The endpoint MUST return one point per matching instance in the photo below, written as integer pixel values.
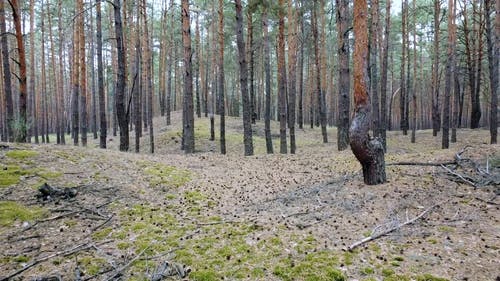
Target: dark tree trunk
(374, 35)
(383, 76)
(493, 44)
(83, 75)
(197, 67)
(436, 114)
(369, 152)
(414, 80)
(247, 106)
(300, 116)
(456, 103)
(149, 81)
(33, 113)
(100, 79)
(7, 77)
(282, 78)
(220, 80)
(317, 63)
(403, 97)
(136, 92)
(344, 74)
(450, 66)
(292, 72)
(188, 112)
(267, 70)
(251, 57)
(120, 103)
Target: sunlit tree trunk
(368, 151)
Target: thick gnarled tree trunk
(369, 151)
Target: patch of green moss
(92, 265)
(21, 154)
(348, 257)
(49, 174)
(11, 211)
(314, 266)
(430, 277)
(397, 277)
(367, 271)
(101, 234)
(387, 272)
(204, 275)
(11, 174)
(395, 263)
(21, 259)
(194, 196)
(168, 176)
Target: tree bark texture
(368, 151)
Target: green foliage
(430, 277)
(314, 267)
(11, 211)
(21, 154)
(168, 176)
(10, 175)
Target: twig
(102, 224)
(67, 252)
(407, 222)
(119, 271)
(458, 175)
(421, 164)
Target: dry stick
(73, 250)
(458, 175)
(119, 271)
(407, 222)
(421, 164)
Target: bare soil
(264, 217)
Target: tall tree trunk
(251, 58)
(344, 73)
(282, 78)
(22, 122)
(374, 43)
(122, 111)
(292, 72)
(7, 76)
(450, 66)
(33, 113)
(493, 43)
(188, 113)
(149, 80)
(136, 88)
(43, 85)
(247, 106)
(93, 83)
(197, 66)
(57, 91)
(456, 103)
(414, 88)
(300, 114)
(369, 152)
(83, 74)
(317, 62)
(402, 100)
(267, 70)
(75, 70)
(220, 79)
(100, 79)
(436, 114)
(383, 75)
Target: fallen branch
(67, 252)
(121, 269)
(439, 164)
(458, 175)
(384, 233)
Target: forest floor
(264, 217)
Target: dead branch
(121, 269)
(458, 175)
(438, 164)
(66, 252)
(384, 233)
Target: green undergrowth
(11, 174)
(213, 248)
(21, 154)
(165, 176)
(11, 211)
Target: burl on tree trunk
(369, 151)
